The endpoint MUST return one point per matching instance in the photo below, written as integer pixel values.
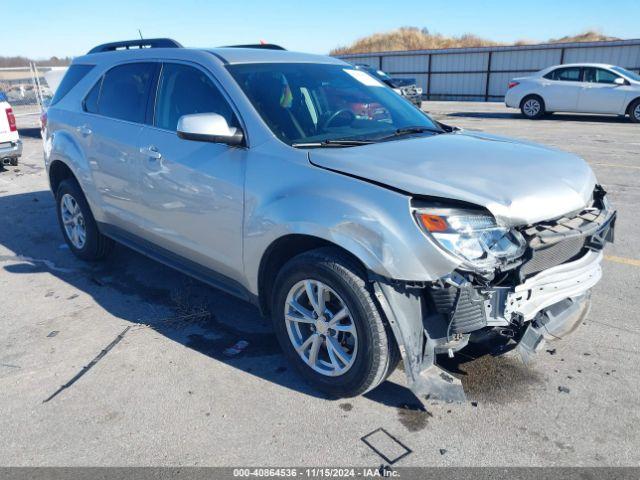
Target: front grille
(556, 254)
(467, 314)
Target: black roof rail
(141, 43)
(264, 46)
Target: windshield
(624, 71)
(304, 103)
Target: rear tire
(634, 111)
(372, 350)
(532, 107)
(80, 231)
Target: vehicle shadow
(30, 132)
(565, 117)
(139, 290)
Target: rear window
(570, 74)
(74, 74)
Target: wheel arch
(283, 249)
(627, 109)
(530, 95)
(59, 171)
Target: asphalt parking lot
(165, 393)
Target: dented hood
(518, 182)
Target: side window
(74, 74)
(605, 76)
(571, 74)
(90, 103)
(125, 91)
(184, 90)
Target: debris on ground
(563, 389)
(443, 451)
(236, 349)
(551, 351)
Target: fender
(373, 223)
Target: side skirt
(177, 262)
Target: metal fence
(25, 88)
(482, 73)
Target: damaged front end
(519, 302)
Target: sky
(40, 29)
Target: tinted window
(571, 74)
(184, 90)
(599, 75)
(74, 74)
(125, 91)
(91, 100)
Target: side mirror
(208, 127)
(620, 81)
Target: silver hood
(520, 183)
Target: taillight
(513, 84)
(11, 118)
(43, 120)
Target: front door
(191, 194)
(600, 94)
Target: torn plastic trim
(554, 323)
(403, 308)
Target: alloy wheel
(73, 221)
(321, 328)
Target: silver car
(578, 87)
(367, 239)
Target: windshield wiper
(332, 143)
(409, 130)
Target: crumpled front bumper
(551, 286)
(556, 301)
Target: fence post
(486, 85)
(429, 77)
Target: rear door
(599, 93)
(117, 107)
(192, 192)
(561, 89)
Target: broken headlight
(473, 237)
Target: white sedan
(584, 88)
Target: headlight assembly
(473, 237)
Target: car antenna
(140, 33)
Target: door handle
(84, 130)
(151, 152)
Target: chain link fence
(26, 88)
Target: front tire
(634, 111)
(78, 226)
(532, 107)
(328, 325)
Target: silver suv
(366, 234)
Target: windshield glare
(629, 74)
(314, 103)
